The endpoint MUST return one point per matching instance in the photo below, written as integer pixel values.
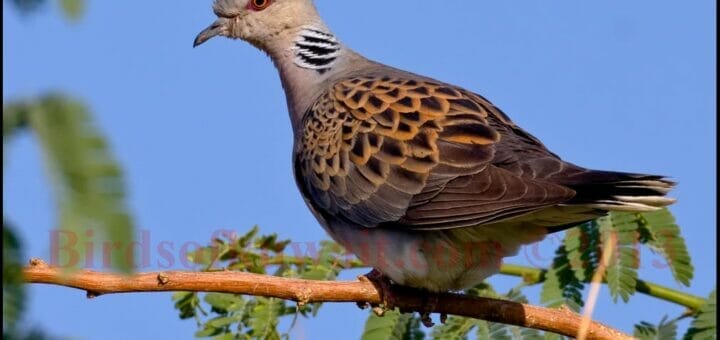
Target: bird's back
(383, 147)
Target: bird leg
(430, 301)
(383, 284)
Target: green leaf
(704, 326)
(186, 303)
(552, 336)
(528, 334)
(492, 331)
(88, 183)
(208, 332)
(318, 272)
(455, 327)
(666, 330)
(222, 321)
(326, 267)
(270, 242)
(561, 286)
(660, 232)
(392, 325)
(13, 289)
(329, 259)
(14, 120)
(73, 9)
(264, 318)
(412, 329)
(226, 336)
(516, 295)
(582, 245)
(245, 240)
(223, 302)
(460, 327)
(621, 273)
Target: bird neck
(307, 58)
(315, 48)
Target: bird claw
(429, 305)
(383, 284)
(426, 319)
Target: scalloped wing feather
(412, 153)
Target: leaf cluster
(578, 258)
(89, 190)
(87, 181)
(232, 316)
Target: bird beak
(217, 28)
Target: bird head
(258, 22)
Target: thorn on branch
(163, 279)
(303, 296)
(39, 263)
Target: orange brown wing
(411, 153)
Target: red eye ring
(258, 5)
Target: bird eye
(259, 5)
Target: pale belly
(440, 260)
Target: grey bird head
(259, 22)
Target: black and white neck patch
(316, 49)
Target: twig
(535, 275)
(595, 283)
(561, 321)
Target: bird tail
(618, 191)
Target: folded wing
(418, 154)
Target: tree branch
(560, 321)
(532, 275)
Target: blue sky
(205, 140)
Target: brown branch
(561, 321)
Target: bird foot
(429, 304)
(384, 286)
